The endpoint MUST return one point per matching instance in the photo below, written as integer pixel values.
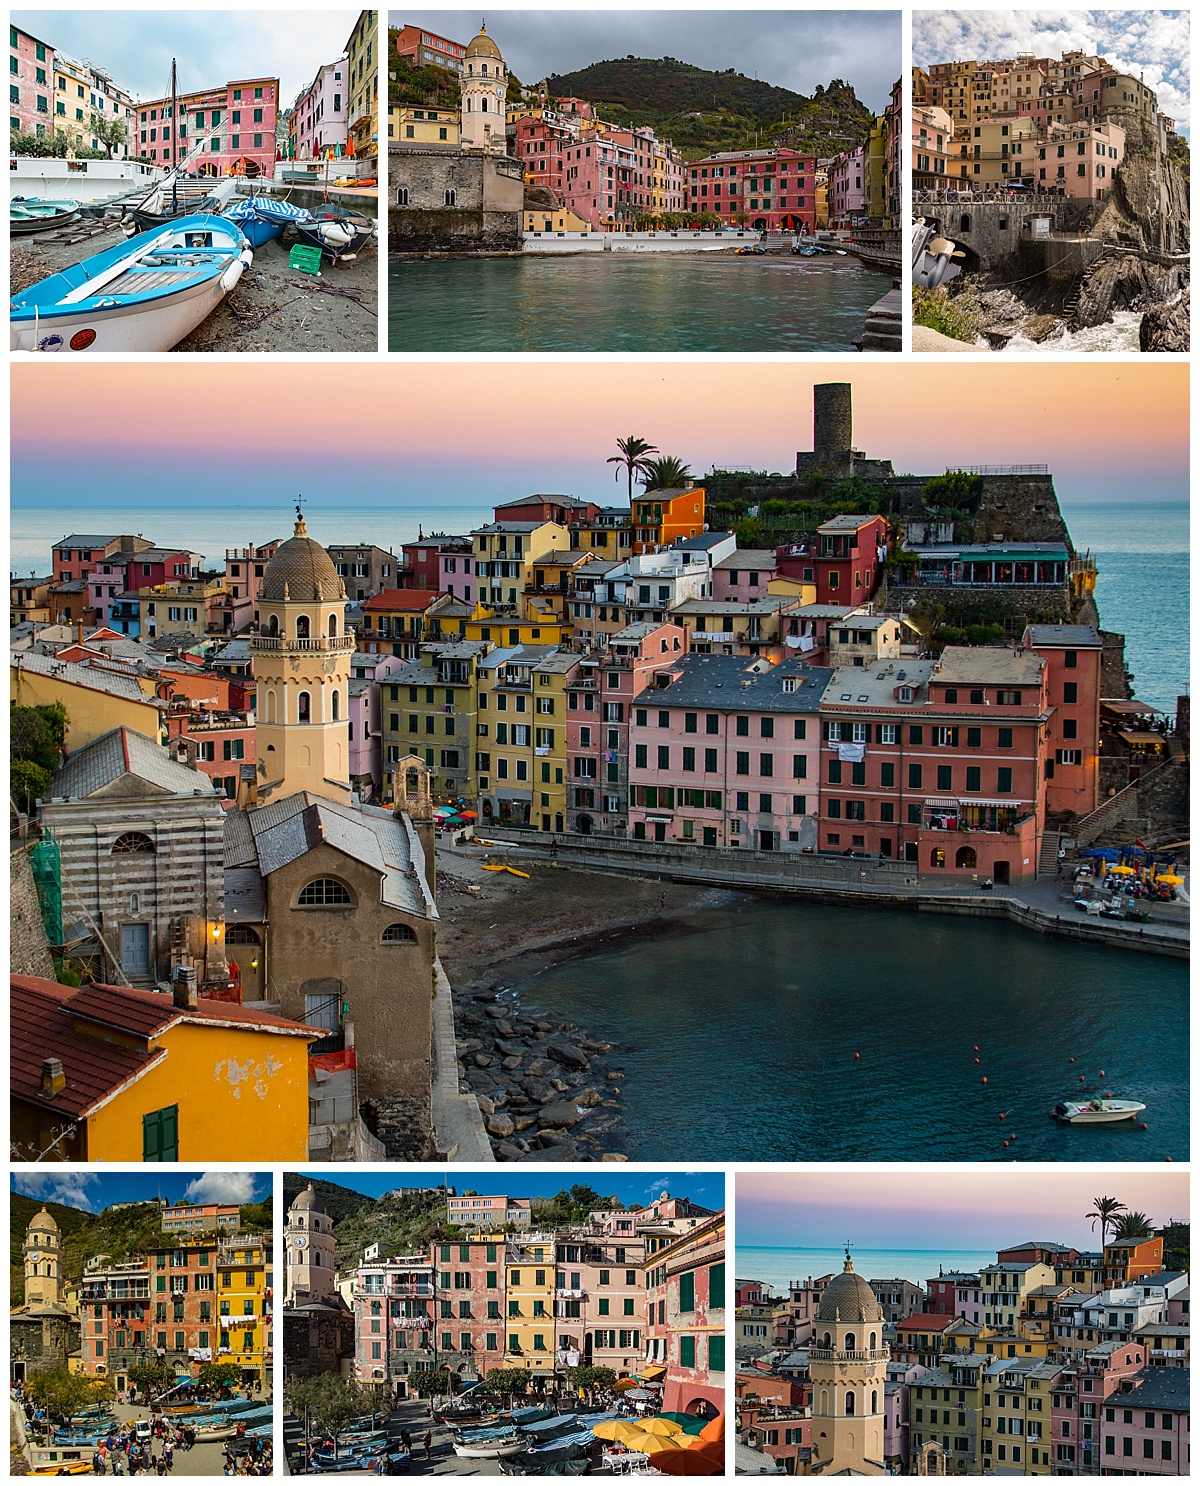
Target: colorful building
(245, 1305)
(230, 128)
(529, 1316)
(426, 49)
(772, 190)
(394, 622)
(662, 517)
(847, 189)
(1147, 1425)
(362, 67)
(319, 117)
(31, 83)
(685, 1317)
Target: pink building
(727, 753)
(470, 1284)
(1147, 1425)
(1080, 160)
(685, 1316)
(427, 49)
(541, 147)
(320, 115)
(847, 188)
(600, 698)
(956, 1295)
(244, 569)
(1073, 654)
(600, 1300)
(743, 576)
(395, 1317)
(609, 178)
(232, 127)
(222, 744)
(441, 564)
(1078, 1403)
(30, 82)
(772, 190)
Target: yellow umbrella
(1122, 871)
(654, 1444)
(618, 1429)
(661, 1426)
(1170, 877)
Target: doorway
(135, 949)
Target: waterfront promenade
(1043, 906)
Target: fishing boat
(1096, 1111)
(262, 218)
(185, 199)
(338, 232)
(500, 1449)
(34, 215)
(143, 295)
(59, 1460)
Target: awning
(992, 804)
(651, 1371)
(940, 804)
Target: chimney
(184, 985)
(54, 1080)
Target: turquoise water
(1142, 589)
(630, 303)
(739, 1040)
(778, 1267)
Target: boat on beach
(500, 1449)
(262, 218)
(143, 295)
(337, 231)
(1096, 1111)
(34, 215)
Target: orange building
(1130, 1259)
(661, 517)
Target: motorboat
(143, 295)
(1097, 1111)
(262, 218)
(35, 215)
(499, 1449)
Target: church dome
(301, 571)
(308, 1201)
(42, 1220)
(848, 1297)
(484, 46)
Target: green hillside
(121, 1235)
(702, 111)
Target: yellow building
(178, 608)
(1005, 1287)
(419, 127)
(509, 630)
(821, 198)
(993, 153)
(96, 701)
(529, 1327)
(875, 173)
(550, 740)
(504, 555)
(1016, 1417)
(244, 1302)
(72, 106)
(29, 601)
(558, 219)
(107, 1073)
(430, 709)
(362, 65)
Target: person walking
(428, 1442)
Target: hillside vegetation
(702, 111)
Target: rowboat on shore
(25, 217)
(262, 218)
(500, 1449)
(337, 231)
(143, 295)
(1097, 1111)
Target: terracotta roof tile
(401, 598)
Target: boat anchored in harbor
(1096, 1111)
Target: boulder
(556, 1115)
(1167, 327)
(501, 1125)
(566, 1152)
(538, 1089)
(497, 1013)
(486, 1106)
(588, 1098)
(568, 1054)
(510, 1049)
(613, 1156)
(542, 1067)
(555, 1137)
(511, 1063)
(482, 1060)
(506, 1151)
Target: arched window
(337, 705)
(271, 706)
(304, 708)
(483, 105)
(302, 627)
(483, 69)
(965, 857)
(826, 1340)
(874, 1401)
(849, 1402)
(874, 1340)
(273, 625)
(325, 892)
(451, 197)
(333, 626)
(132, 841)
(402, 196)
(851, 1342)
(241, 934)
(398, 934)
(964, 223)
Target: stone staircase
(1048, 856)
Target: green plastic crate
(306, 259)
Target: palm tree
(1104, 1211)
(665, 473)
(1133, 1225)
(634, 456)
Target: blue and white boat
(262, 218)
(144, 295)
(34, 215)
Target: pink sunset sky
(902, 1208)
(419, 432)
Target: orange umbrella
(714, 1431)
(708, 1460)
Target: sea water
(778, 1267)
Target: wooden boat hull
(29, 220)
(487, 1450)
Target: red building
(427, 49)
(232, 124)
(222, 745)
(846, 560)
(771, 190)
(469, 1284)
(76, 556)
(30, 82)
(1073, 655)
(941, 764)
(685, 1315)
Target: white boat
(1097, 1111)
(501, 1449)
(142, 295)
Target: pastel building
(846, 190)
(231, 128)
(1147, 1425)
(30, 82)
(469, 1278)
(1078, 1399)
(932, 138)
(726, 754)
(772, 190)
(1080, 160)
(395, 1303)
(685, 1316)
(423, 48)
(318, 120)
(481, 1211)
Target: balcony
(280, 643)
(829, 1354)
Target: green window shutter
(716, 1284)
(160, 1134)
(687, 1292)
(716, 1354)
(687, 1351)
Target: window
(914, 776)
(160, 1134)
(325, 892)
(1004, 781)
(687, 1351)
(398, 934)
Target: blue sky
(94, 1190)
(1153, 43)
(631, 1187)
(794, 49)
(211, 46)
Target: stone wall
(991, 232)
(28, 951)
(42, 1343)
(1114, 678)
(315, 1341)
(977, 604)
(447, 201)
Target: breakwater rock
(1167, 327)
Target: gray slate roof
(1158, 1388)
(122, 752)
(75, 540)
(731, 683)
(746, 558)
(1071, 636)
(115, 683)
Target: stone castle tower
(848, 1366)
(308, 1245)
(302, 656)
(483, 83)
(43, 1261)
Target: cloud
(1153, 44)
(221, 1186)
(68, 1187)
